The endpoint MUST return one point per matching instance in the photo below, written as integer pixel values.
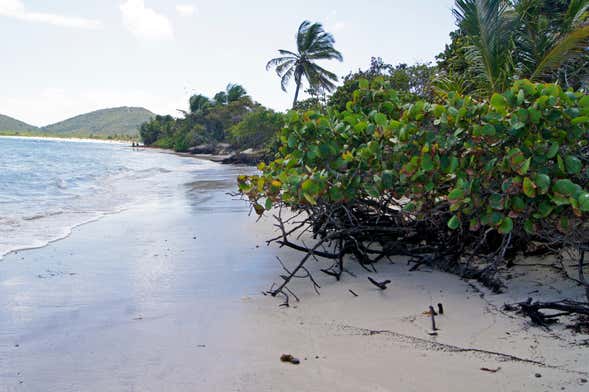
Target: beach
(167, 295)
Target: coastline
(166, 296)
(68, 139)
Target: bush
(465, 176)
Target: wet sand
(166, 296)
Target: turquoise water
(47, 187)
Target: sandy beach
(166, 296)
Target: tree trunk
(296, 97)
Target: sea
(50, 186)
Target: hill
(12, 124)
(123, 121)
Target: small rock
(583, 380)
(289, 358)
(537, 375)
(17, 345)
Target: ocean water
(48, 187)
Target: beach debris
(484, 369)
(290, 359)
(201, 345)
(433, 316)
(440, 308)
(353, 293)
(381, 285)
(583, 380)
(537, 375)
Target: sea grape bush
(515, 164)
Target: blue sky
(65, 57)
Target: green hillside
(12, 124)
(123, 121)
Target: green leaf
(268, 204)
(456, 195)
(573, 164)
(580, 120)
(489, 130)
(380, 119)
(454, 223)
(584, 202)
(498, 102)
(496, 202)
(535, 115)
(553, 150)
(506, 226)
(530, 227)
(525, 166)
(542, 182)
(565, 187)
(427, 163)
(364, 84)
(560, 164)
(529, 188)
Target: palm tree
(198, 103)
(521, 38)
(232, 93)
(313, 43)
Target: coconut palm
(198, 103)
(232, 93)
(521, 38)
(313, 44)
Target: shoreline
(68, 139)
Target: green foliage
(258, 128)
(514, 164)
(500, 41)
(413, 82)
(231, 117)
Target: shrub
(463, 176)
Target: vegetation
(122, 122)
(445, 183)
(230, 117)
(313, 44)
(12, 124)
(499, 41)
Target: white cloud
(16, 9)
(186, 9)
(144, 22)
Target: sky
(62, 58)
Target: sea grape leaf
(529, 188)
(454, 223)
(506, 226)
(573, 164)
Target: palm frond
(575, 42)
(489, 26)
(276, 62)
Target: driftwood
(534, 310)
(368, 231)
